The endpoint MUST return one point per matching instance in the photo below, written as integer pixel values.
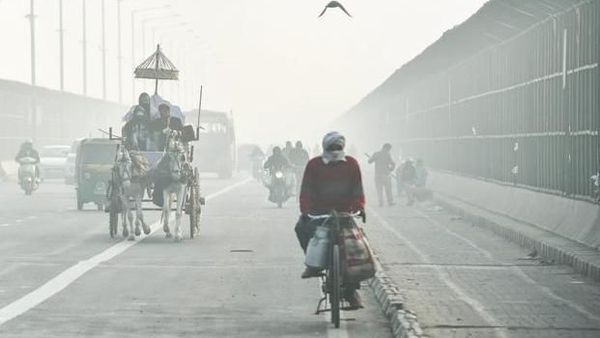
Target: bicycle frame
(332, 280)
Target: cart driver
(161, 125)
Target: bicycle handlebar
(357, 214)
(342, 214)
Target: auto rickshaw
(93, 165)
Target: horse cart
(121, 178)
(162, 176)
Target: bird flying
(334, 4)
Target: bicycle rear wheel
(335, 290)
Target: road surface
(239, 278)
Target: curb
(545, 244)
(404, 322)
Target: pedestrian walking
(384, 166)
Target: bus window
(213, 128)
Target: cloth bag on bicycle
(318, 248)
(358, 260)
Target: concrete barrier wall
(573, 219)
(59, 117)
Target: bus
(215, 150)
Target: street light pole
(84, 48)
(132, 19)
(61, 47)
(31, 18)
(119, 52)
(103, 16)
(149, 20)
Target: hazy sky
(280, 69)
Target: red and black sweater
(334, 186)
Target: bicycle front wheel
(335, 291)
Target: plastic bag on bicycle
(357, 259)
(318, 248)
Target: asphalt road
(62, 276)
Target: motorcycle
(279, 188)
(27, 177)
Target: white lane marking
(19, 221)
(445, 278)
(31, 217)
(519, 271)
(65, 278)
(4, 225)
(332, 332)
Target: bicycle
(332, 281)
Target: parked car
(70, 164)
(53, 161)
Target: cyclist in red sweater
(332, 181)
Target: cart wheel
(335, 288)
(194, 205)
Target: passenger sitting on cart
(137, 130)
(160, 127)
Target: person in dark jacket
(277, 161)
(408, 180)
(166, 121)
(332, 181)
(298, 158)
(384, 165)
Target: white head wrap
(333, 138)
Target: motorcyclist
(27, 150)
(299, 158)
(288, 149)
(332, 181)
(276, 162)
(256, 158)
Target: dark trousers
(305, 230)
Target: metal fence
(524, 112)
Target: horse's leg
(124, 213)
(166, 211)
(178, 212)
(130, 217)
(140, 211)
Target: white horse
(132, 169)
(174, 191)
